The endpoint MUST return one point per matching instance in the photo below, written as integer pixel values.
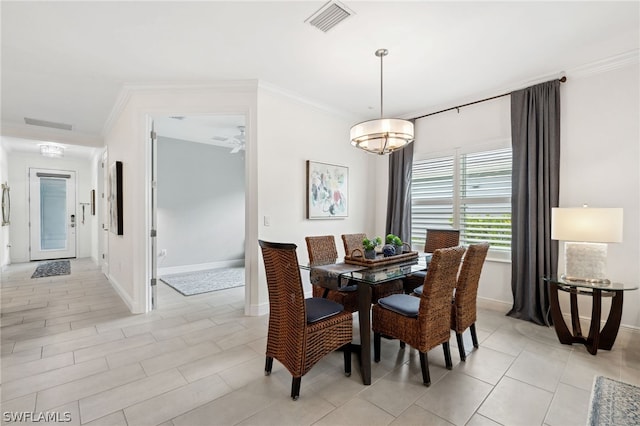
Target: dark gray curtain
(535, 136)
(399, 198)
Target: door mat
(198, 282)
(614, 403)
(50, 269)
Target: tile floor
(69, 345)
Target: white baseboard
(493, 304)
(123, 295)
(200, 267)
(256, 310)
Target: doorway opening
(52, 214)
(198, 205)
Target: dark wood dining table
(335, 274)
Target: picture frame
(327, 191)
(116, 219)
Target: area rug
(50, 269)
(614, 403)
(198, 282)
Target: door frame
(71, 210)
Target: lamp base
(586, 262)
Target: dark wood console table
(597, 339)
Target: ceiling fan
(237, 141)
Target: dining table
(334, 275)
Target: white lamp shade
(383, 135)
(587, 224)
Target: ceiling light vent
(43, 123)
(329, 15)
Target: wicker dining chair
(463, 314)
(424, 322)
(322, 251)
(435, 239)
(352, 242)
(301, 331)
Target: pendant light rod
(381, 53)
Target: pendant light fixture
(383, 135)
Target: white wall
(19, 163)
(201, 204)
(4, 230)
(599, 164)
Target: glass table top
(614, 286)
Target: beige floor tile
(288, 412)
(487, 365)
(155, 349)
(469, 395)
(87, 386)
(179, 330)
(418, 416)
(569, 407)
(54, 339)
(36, 367)
(103, 403)
(52, 378)
(515, 403)
(111, 347)
(26, 403)
(180, 357)
(176, 402)
(543, 371)
(113, 419)
(149, 326)
(85, 342)
(216, 363)
(581, 370)
(396, 391)
(356, 412)
(506, 341)
(236, 406)
(12, 359)
(478, 420)
(215, 333)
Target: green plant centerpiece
(369, 246)
(396, 242)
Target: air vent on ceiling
(329, 15)
(177, 117)
(43, 123)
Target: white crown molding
(597, 67)
(299, 98)
(127, 90)
(605, 65)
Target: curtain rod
(561, 80)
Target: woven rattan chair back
(441, 238)
(322, 250)
(463, 314)
(352, 242)
(287, 314)
(293, 341)
(434, 315)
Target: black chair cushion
(319, 309)
(353, 287)
(418, 290)
(402, 304)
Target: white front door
(52, 213)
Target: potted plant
(396, 242)
(369, 246)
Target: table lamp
(586, 232)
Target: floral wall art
(327, 191)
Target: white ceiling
(67, 61)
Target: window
(466, 191)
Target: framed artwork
(327, 191)
(115, 198)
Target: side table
(597, 339)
